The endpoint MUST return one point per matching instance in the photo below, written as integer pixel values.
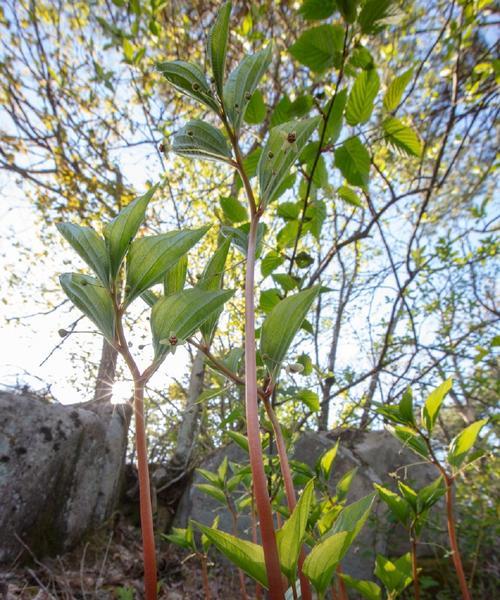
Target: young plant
(419, 437)
(125, 268)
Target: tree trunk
(106, 374)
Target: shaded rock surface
(376, 454)
(60, 471)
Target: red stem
(457, 559)
(342, 589)
(204, 571)
(414, 568)
(148, 540)
(286, 472)
(262, 500)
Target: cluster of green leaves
(404, 426)
(127, 267)
(321, 520)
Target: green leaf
(239, 438)
(270, 262)
(343, 486)
(411, 439)
(243, 82)
(283, 147)
(316, 10)
(175, 277)
(396, 576)
(368, 589)
(395, 90)
(353, 160)
(209, 476)
(92, 299)
(190, 80)
(409, 494)
(290, 537)
(211, 279)
(432, 406)
(360, 103)
(430, 494)
(319, 48)
(335, 116)
(349, 195)
(352, 518)
(233, 210)
(90, 246)
(463, 442)
(375, 14)
(246, 555)
(201, 140)
(239, 235)
(269, 299)
(182, 537)
(285, 281)
(212, 491)
(310, 399)
(398, 506)
(149, 258)
(217, 45)
(320, 564)
(281, 325)
(325, 462)
(120, 232)
(348, 9)
(402, 137)
(182, 314)
(256, 110)
(406, 408)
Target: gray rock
(376, 454)
(60, 471)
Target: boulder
(376, 454)
(60, 471)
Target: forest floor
(108, 566)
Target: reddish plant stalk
(286, 472)
(148, 540)
(262, 500)
(258, 588)
(204, 571)
(343, 595)
(457, 559)
(414, 568)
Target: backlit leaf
(395, 90)
(353, 160)
(233, 210)
(201, 140)
(189, 79)
(320, 564)
(319, 48)
(256, 110)
(175, 277)
(217, 45)
(325, 462)
(432, 406)
(402, 137)
(362, 96)
(92, 299)
(463, 442)
(281, 326)
(368, 589)
(398, 506)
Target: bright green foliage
(281, 326)
(402, 137)
(242, 83)
(430, 410)
(362, 96)
(190, 80)
(182, 537)
(406, 407)
(211, 279)
(319, 48)
(201, 140)
(368, 589)
(430, 494)
(290, 537)
(395, 575)
(256, 110)
(90, 246)
(217, 45)
(343, 486)
(398, 506)
(335, 116)
(179, 316)
(92, 299)
(175, 278)
(149, 258)
(325, 461)
(316, 10)
(284, 145)
(120, 232)
(349, 195)
(270, 262)
(246, 555)
(321, 562)
(310, 398)
(348, 9)
(375, 14)
(213, 491)
(353, 517)
(233, 210)
(353, 160)
(395, 90)
(463, 442)
(410, 438)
